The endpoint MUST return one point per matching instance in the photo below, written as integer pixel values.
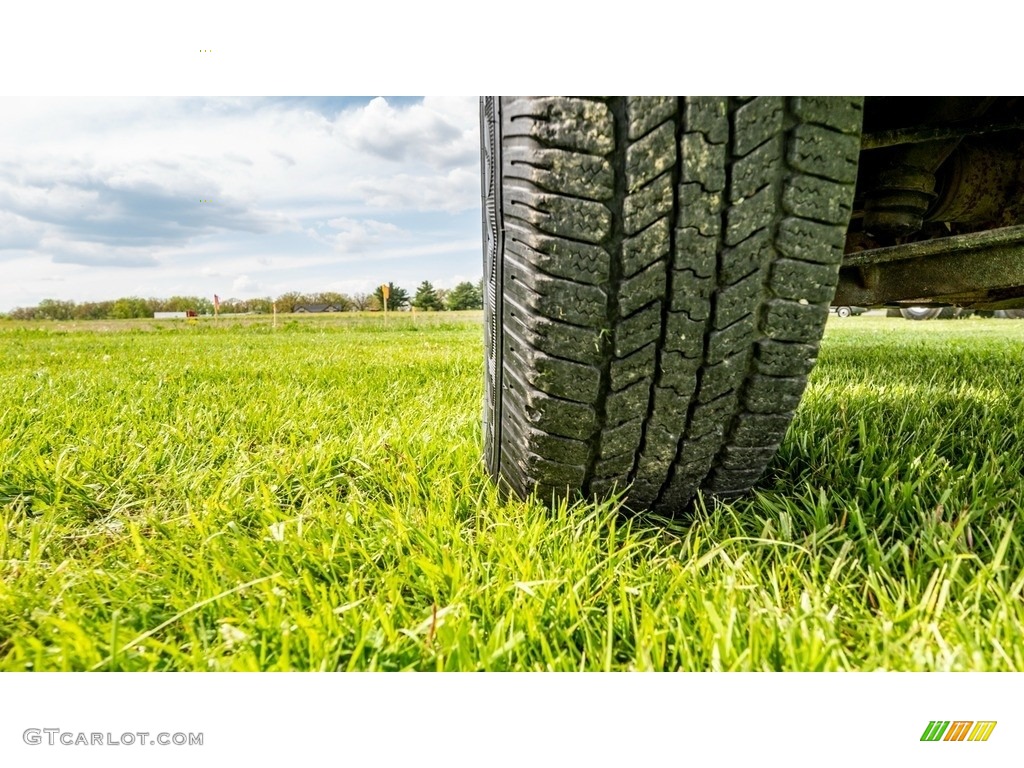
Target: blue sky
(101, 198)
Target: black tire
(920, 313)
(1010, 314)
(659, 274)
(843, 311)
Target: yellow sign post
(385, 291)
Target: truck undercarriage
(938, 212)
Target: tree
(339, 300)
(262, 305)
(427, 299)
(93, 310)
(465, 296)
(233, 306)
(361, 301)
(23, 313)
(397, 298)
(130, 306)
(54, 309)
(287, 302)
(180, 304)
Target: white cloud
(283, 157)
(244, 284)
(64, 251)
(18, 232)
(450, 281)
(356, 285)
(435, 132)
(451, 193)
(298, 189)
(347, 234)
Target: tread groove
(527, 224)
(619, 194)
(530, 265)
(723, 223)
(524, 342)
(557, 320)
(666, 308)
(530, 186)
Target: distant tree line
(427, 298)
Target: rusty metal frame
(984, 270)
(916, 135)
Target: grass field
(193, 497)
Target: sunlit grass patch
(312, 497)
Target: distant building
(174, 315)
(316, 308)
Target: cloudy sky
(101, 198)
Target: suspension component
(899, 201)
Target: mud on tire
(659, 272)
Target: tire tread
(667, 272)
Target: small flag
(216, 303)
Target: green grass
(227, 496)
